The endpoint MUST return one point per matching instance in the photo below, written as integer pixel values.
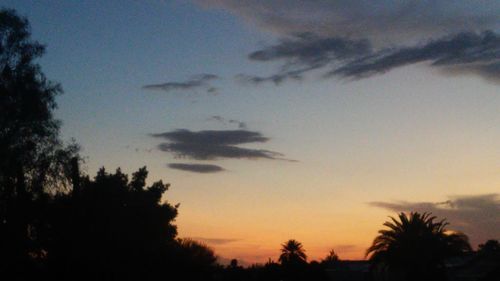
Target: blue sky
(411, 134)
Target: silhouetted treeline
(58, 224)
(120, 229)
(55, 222)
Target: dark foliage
(415, 248)
(108, 228)
(195, 260)
(112, 229)
(33, 160)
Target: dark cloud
(241, 125)
(212, 152)
(463, 53)
(211, 144)
(386, 21)
(309, 49)
(213, 137)
(477, 216)
(275, 78)
(216, 118)
(303, 53)
(196, 168)
(220, 119)
(200, 81)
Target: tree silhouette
(331, 259)
(490, 248)
(292, 253)
(33, 160)
(198, 260)
(113, 229)
(415, 247)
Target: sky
(277, 120)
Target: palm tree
(331, 259)
(292, 253)
(415, 247)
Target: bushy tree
(198, 260)
(490, 249)
(113, 229)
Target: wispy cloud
(357, 39)
(196, 168)
(477, 215)
(212, 144)
(220, 119)
(303, 53)
(385, 21)
(215, 241)
(309, 49)
(463, 53)
(201, 81)
(346, 248)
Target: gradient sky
(419, 132)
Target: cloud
(196, 168)
(241, 125)
(309, 49)
(478, 216)
(215, 241)
(213, 137)
(463, 53)
(275, 78)
(357, 38)
(200, 81)
(211, 144)
(302, 53)
(384, 20)
(346, 248)
(220, 119)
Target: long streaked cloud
(196, 168)
(303, 53)
(477, 215)
(383, 20)
(309, 49)
(215, 241)
(196, 82)
(463, 53)
(213, 144)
